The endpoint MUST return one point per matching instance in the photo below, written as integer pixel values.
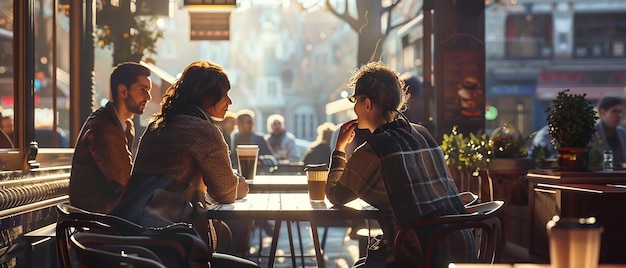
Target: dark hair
(381, 85)
(413, 85)
(201, 81)
(608, 101)
(126, 73)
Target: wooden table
(291, 207)
(596, 194)
(278, 183)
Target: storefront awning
(596, 84)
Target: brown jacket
(191, 151)
(101, 163)
(180, 164)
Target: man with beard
(102, 159)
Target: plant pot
(573, 158)
(508, 164)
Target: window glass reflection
(51, 101)
(7, 139)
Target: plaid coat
(400, 170)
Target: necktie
(130, 134)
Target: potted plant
(509, 149)
(571, 121)
(465, 155)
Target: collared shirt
(124, 123)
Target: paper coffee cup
(247, 157)
(574, 242)
(316, 179)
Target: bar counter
(599, 194)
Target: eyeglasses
(352, 98)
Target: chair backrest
(176, 244)
(481, 219)
(99, 250)
(72, 219)
(468, 198)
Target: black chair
(468, 198)
(100, 250)
(365, 234)
(176, 244)
(481, 219)
(71, 219)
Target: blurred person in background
(7, 127)
(414, 105)
(319, 151)
(611, 136)
(6, 135)
(245, 135)
(227, 126)
(282, 143)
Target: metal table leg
(316, 244)
(274, 243)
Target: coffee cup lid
(316, 167)
(247, 146)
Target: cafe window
(304, 123)
(529, 36)
(599, 35)
(272, 88)
(6, 76)
(51, 100)
(34, 94)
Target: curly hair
(381, 85)
(200, 82)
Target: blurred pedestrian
(245, 135)
(319, 151)
(282, 143)
(227, 126)
(611, 136)
(7, 127)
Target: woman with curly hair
(182, 164)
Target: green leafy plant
(539, 154)
(143, 37)
(571, 120)
(469, 153)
